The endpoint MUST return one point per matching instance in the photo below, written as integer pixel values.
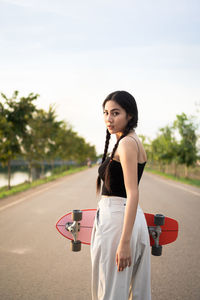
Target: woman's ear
(129, 117)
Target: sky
(74, 53)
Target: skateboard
(77, 227)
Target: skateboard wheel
(76, 246)
(77, 215)
(156, 250)
(159, 219)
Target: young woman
(120, 249)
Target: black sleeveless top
(116, 177)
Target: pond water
(16, 178)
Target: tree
(165, 147)
(64, 142)
(15, 115)
(187, 151)
(39, 143)
(82, 150)
(48, 139)
(37, 135)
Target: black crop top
(116, 177)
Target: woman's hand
(123, 256)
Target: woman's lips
(110, 127)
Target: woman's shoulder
(130, 140)
(128, 145)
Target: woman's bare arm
(128, 154)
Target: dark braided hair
(103, 158)
(128, 103)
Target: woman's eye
(113, 114)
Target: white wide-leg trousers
(133, 282)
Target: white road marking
(20, 250)
(29, 196)
(177, 186)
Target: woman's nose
(109, 118)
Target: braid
(106, 145)
(107, 171)
(98, 183)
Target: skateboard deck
(162, 230)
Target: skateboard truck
(74, 228)
(155, 232)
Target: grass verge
(194, 182)
(4, 192)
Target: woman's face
(115, 117)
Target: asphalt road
(36, 261)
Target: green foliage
(176, 144)
(37, 135)
(161, 146)
(15, 115)
(187, 151)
